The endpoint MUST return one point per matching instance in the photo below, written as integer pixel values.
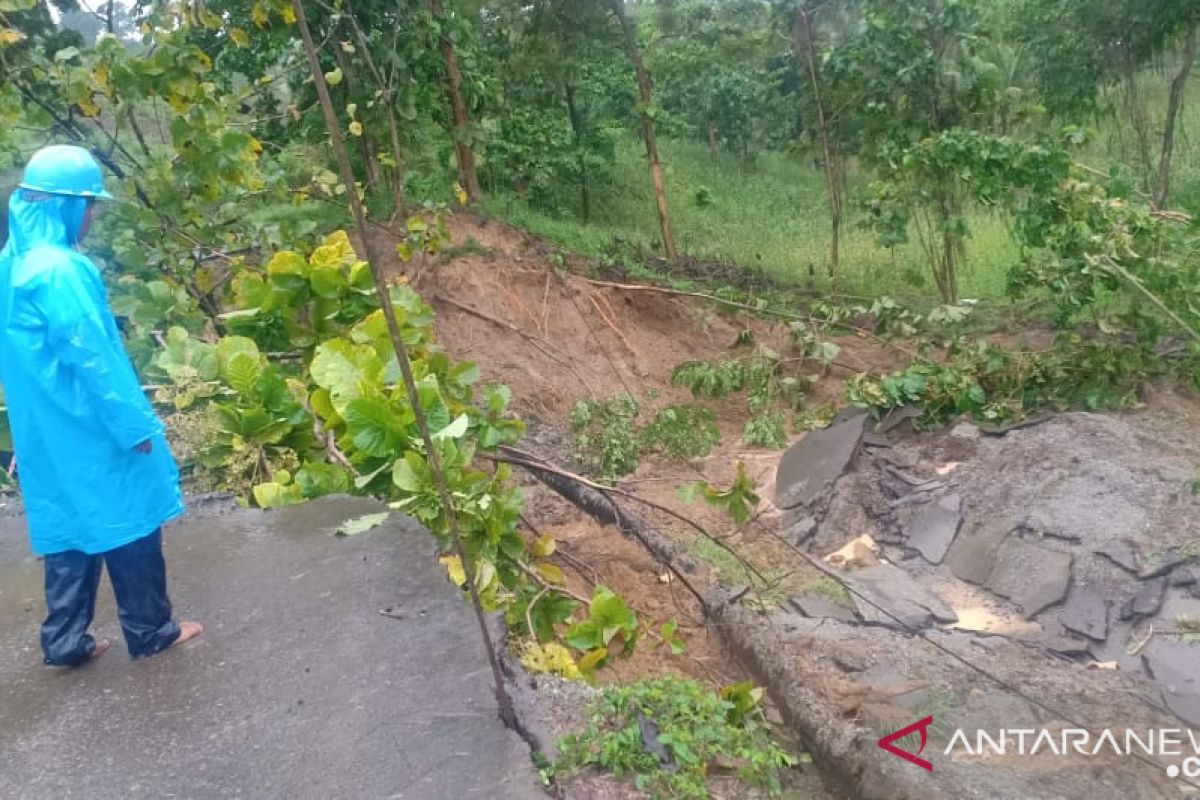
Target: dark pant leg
(72, 578)
(139, 579)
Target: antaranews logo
(888, 742)
(1176, 750)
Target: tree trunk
(458, 110)
(1136, 110)
(577, 131)
(647, 99)
(399, 200)
(370, 160)
(802, 40)
(712, 139)
(1178, 86)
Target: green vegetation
(765, 213)
(610, 438)
(673, 737)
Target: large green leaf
(229, 346)
(243, 373)
(375, 428)
(455, 430)
(287, 262)
(411, 473)
(327, 282)
(275, 495)
(345, 368)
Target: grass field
(770, 212)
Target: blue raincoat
(75, 404)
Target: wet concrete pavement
(298, 688)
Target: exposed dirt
(529, 318)
(581, 340)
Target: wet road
(298, 688)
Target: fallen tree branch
(1137, 284)
(610, 321)
(641, 287)
(602, 507)
(612, 513)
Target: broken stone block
(821, 608)
(1175, 667)
(892, 419)
(1121, 554)
(1056, 638)
(1148, 600)
(972, 556)
(799, 527)
(906, 603)
(965, 430)
(1032, 576)
(931, 529)
(815, 462)
(1116, 647)
(1085, 613)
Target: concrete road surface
(299, 687)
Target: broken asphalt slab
(813, 464)
(887, 595)
(299, 686)
(932, 528)
(1032, 576)
(1086, 613)
(1175, 666)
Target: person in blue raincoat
(97, 477)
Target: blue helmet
(66, 170)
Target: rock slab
(1085, 613)
(1031, 575)
(903, 599)
(932, 528)
(815, 462)
(1175, 667)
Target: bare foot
(100, 649)
(188, 630)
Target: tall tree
(646, 110)
(803, 40)
(1115, 47)
(461, 118)
(1187, 60)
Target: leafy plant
(682, 432)
(739, 500)
(673, 736)
(768, 429)
(610, 630)
(993, 385)
(605, 439)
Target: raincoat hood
(75, 405)
(46, 219)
